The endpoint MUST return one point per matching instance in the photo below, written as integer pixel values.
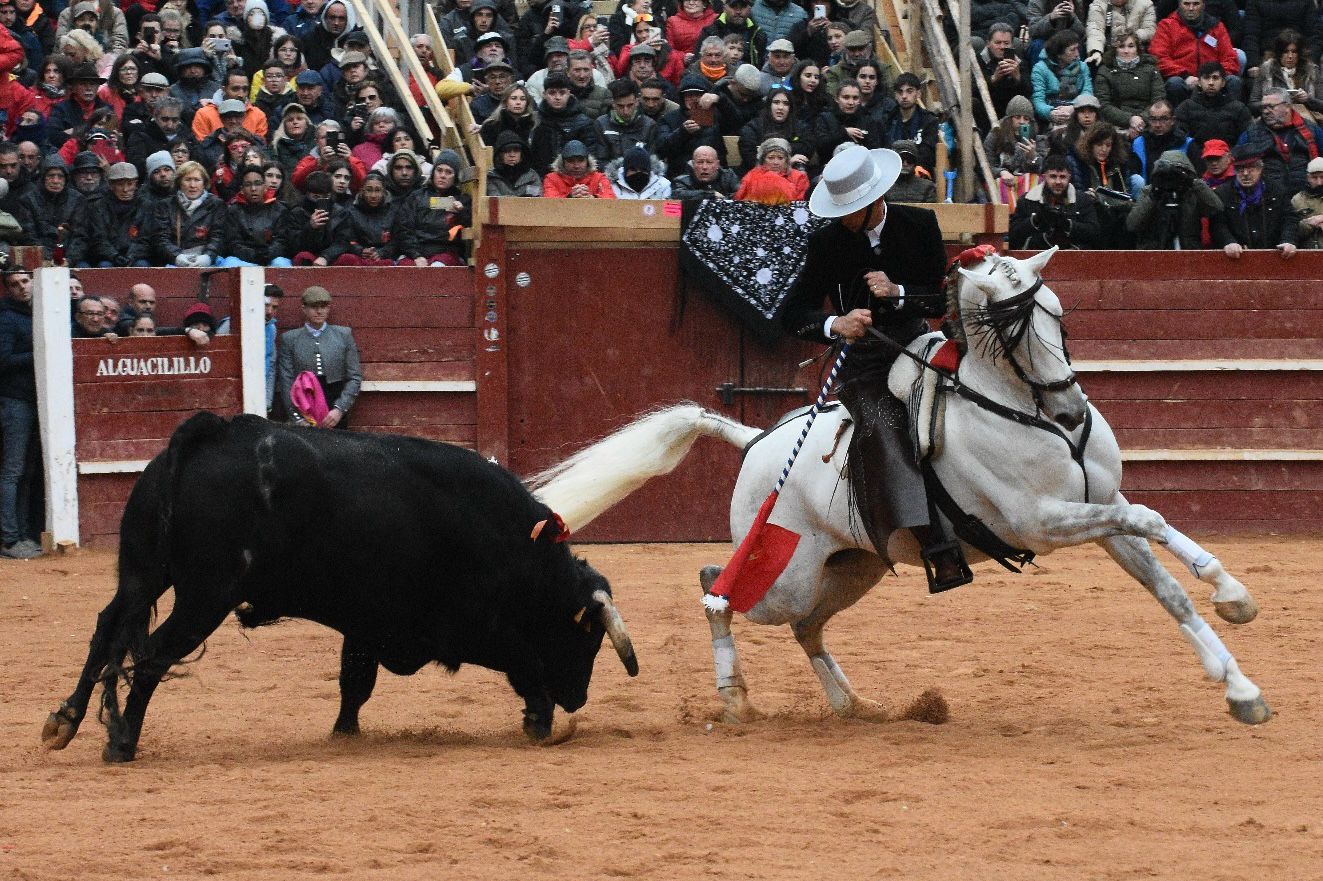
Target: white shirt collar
(315, 331)
(875, 234)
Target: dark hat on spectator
(489, 37)
(574, 150)
(293, 107)
(85, 7)
(906, 148)
(1247, 154)
(692, 82)
(159, 159)
(782, 45)
(481, 73)
(556, 44)
(482, 4)
(641, 50)
(86, 161)
(232, 106)
(122, 171)
(309, 78)
(350, 58)
(357, 36)
(749, 78)
(557, 80)
(200, 312)
(189, 56)
(451, 158)
(1086, 100)
(54, 162)
(1214, 148)
(85, 73)
(316, 295)
(155, 80)
(504, 141)
(637, 159)
(857, 40)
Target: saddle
(916, 387)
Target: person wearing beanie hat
(511, 174)
(1307, 208)
(773, 181)
(436, 215)
(1015, 150)
(636, 175)
(560, 121)
(1254, 209)
(160, 179)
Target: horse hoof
(866, 710)
(1251, 712)
(562, 729)
(115, 755)
(1237, 611)
(707, 576)
(57, 732)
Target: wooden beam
(382, 52)
(449, 135)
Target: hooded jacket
(428, 219)
(365, 227)
(657, 187)
(1127, 92)
(51, 211)
(518, 180)
(318, 46)
(256, 233)
(557, 184)
(1162, 217)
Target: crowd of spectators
(1159, 125)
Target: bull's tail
(604, 473)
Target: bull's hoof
(1237, 611)
(1252, 712)
(118, 754)
(58, 731)
(536, 728)
(562, 729)
(346, 730)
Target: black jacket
(104, 231)
(1265, 19)
(910, 252)
(256, 233)
(556, 128)
(169, 231)
(829, 131)
(18, 378)
(1038, 225)
(1260, 226)
(426, 218)
(147, 139)
(50, 212)
(617, 137)
(1221, 117)
(363, 227)
(795, 131)
(300, 235)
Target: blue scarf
(1250, 198)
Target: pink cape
(307, 397)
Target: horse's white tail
(601, 475)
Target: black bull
(415, 551)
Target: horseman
(877, 266)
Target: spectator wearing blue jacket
(1059, 77)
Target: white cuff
(900, 297)
(826, 328)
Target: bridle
(1018, 310)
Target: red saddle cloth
(947, 357)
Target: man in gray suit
(329, 351)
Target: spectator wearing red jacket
(15, 98)
(683, 28)
(574, 175)
(324, 152)
(1186, 39)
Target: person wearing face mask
(1307, 209)
(637, 175)
(255, 36)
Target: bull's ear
(584, 617)
(550, 531)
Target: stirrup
(964, 574)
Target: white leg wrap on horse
(832, 678)
(1187, 551)
(727, 662)
(1208, 646)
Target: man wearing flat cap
(1254, 209)
(326, 350)
(878, 267)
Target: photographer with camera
(1171, 209)
(1053, 213)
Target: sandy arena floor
(1083, 743)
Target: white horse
(1039, 485)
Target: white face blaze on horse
(1011, 438)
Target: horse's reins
(1031, 420)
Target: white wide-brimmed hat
(854, 178)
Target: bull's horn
(615, 628)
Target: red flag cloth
(758, 562)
